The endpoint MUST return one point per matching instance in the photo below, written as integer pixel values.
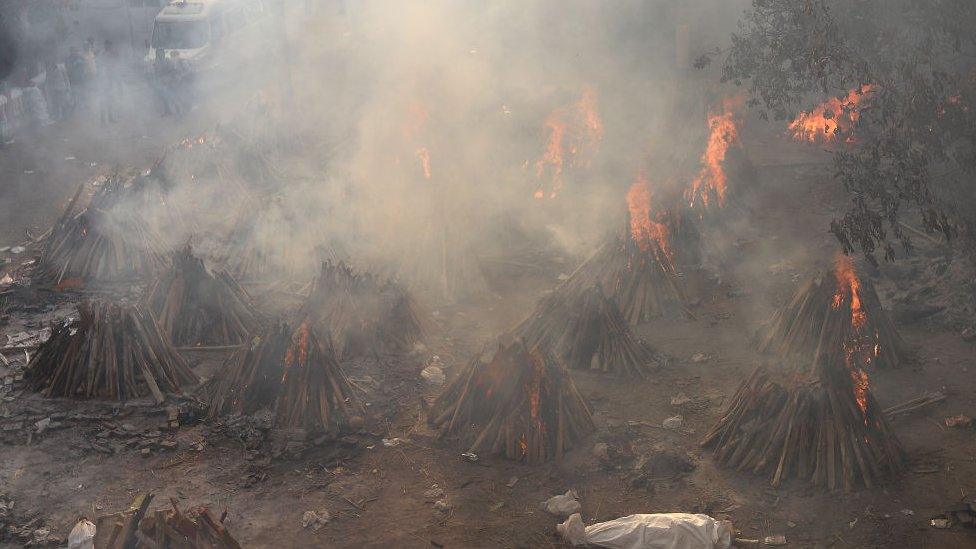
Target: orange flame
(849, 290)
(298, 349)
(424, 155)
(849, 287)
(643, 228)
(523, 445)
(712, 179)
(830, 117)
(574, 135)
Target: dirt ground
(88, 462)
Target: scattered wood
(292, 372)
(106, 242)
(910, 405)
(362, 313)
(587, 330)
(521, 403)
(114, 351)
(197, 307)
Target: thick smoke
(408, 136)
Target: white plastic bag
(657, 531)
(82, 536)
(563, 505)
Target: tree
(914, 143)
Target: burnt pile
(521, 404)
(114, 351)
(822, 426)
(106, 242)
(292, 373)
(197, 307)
(835, 312)
(587, 330)
(363, 314)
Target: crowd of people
(88, 81)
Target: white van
(201, 29)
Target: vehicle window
(180, 35)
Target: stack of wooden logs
(644, 284)
(363, 314)
(250, 378)
(824, 429)
(521, 403)
(821, 318)
(587, 330)
(197, 307)
(294, 373)
(114, 351)
(106, 242)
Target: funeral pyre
(362, 313)
(197, 307)
(587, 330)
(294, 374)
(836, 312)
(521, 403)
(114, 351)
(817, 419)
(106, 242)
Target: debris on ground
(562, 505)
(82, 536)
(162, 528)
(315, 519)
(674, 423)
(961, 421)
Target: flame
(848, 286)
(298, 349)
(643, 228)
(830, 117)
(574, 134)
(553, 157)
(723, 133)
(523, 445)
(859, 347)
(424, 155)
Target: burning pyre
(114, 351)
(586, 328)
(637, 269)
(521, 404)
(106, 242)
(722, 162)
(197, 307)
(574, 134)
(834, 118)
(363, 314)
(293, 373)
(817, 419)
(835, 312)
(825, 428)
